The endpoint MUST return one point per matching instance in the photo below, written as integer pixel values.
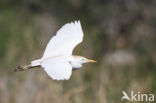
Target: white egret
(57, 60)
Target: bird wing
(65, 40)
(57, 68)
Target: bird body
(57, 59)
(73, 60)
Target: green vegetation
(119, 34)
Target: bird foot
(19, 68)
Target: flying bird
(57, 60)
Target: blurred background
(119, 34)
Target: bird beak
(91, 61)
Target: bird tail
(34, 64)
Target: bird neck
(75, 62)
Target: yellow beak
(91, 61)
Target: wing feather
(57, 68)
(65, 40)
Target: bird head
(83, 60)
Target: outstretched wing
(65, 40)
(57, 68)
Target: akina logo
(137, 96)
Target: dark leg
(22, 68)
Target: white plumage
(57, 68)
(58, 52)
(65, 40)
(57, 59)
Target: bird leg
(22, 68)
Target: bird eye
(83, 59)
